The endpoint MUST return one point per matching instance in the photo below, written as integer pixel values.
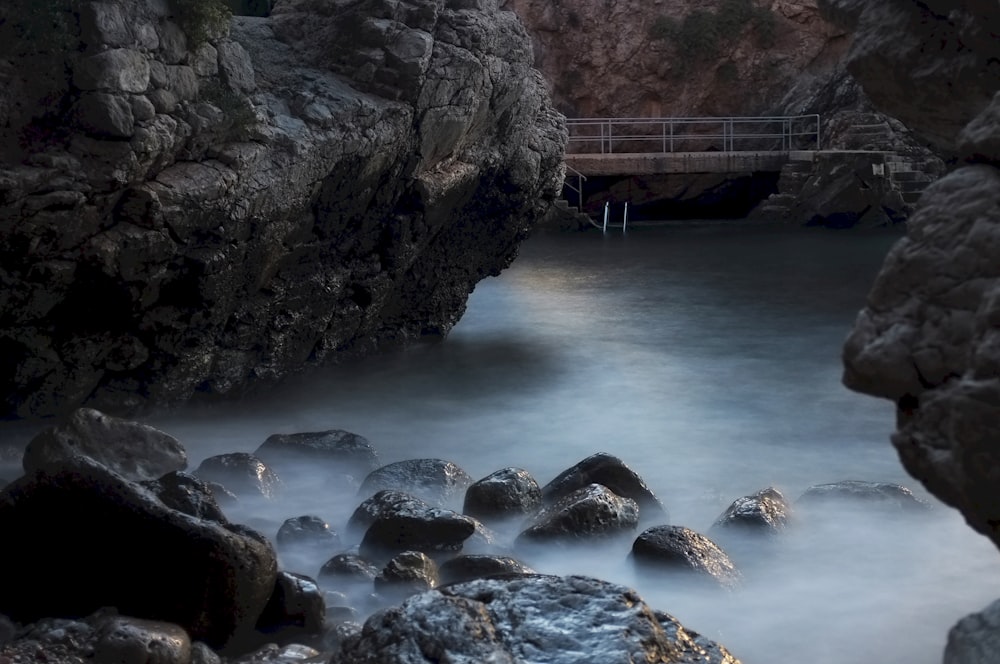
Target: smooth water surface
(707, 358)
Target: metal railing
(666, 135)
(580, 179)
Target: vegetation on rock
(201, 19)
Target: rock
(766, 511)
(386, 501)
(581, 516)
(296, 608)
(975, 639)
(212, 579)
(242, 473)
(188, 494)
(434, 480)
(980, 139)
(557, 620)
(101, 637)
(603, 468)
(336, 449)
(694, 646)
(680, 549)
(348, 570)
(308, 531)
(317, 198)
(134, 450)
(429, 530)
(272, 653)
(505, 494)
(407, 573)
(881, 494)
(467, 568)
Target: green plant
(201, 19)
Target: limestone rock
(680, 549)
(610, 471)
(558, 620)
(134, 450)
(593, 511)
(212, 579)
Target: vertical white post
(625, 218)
(606, 203)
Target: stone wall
(180, 217)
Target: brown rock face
(679, 57)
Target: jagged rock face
(927, 338)
(605, 59)
(180, 218)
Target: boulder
(975, 639)
(188, 494)
(407, 573)
(243, 474)
(766, 512)
(854, 492)
(591, 512)
(603, 468)
(383, 502)
(469, 567)
(336, 449)
(508, 493)
(434, 480)
(557, 620)
(134, 450)
(307, 531)
(680, 549)
(694, 646)
(212, 579)
(432, 530)
(295, 609)
(101, 637)
(348, 570)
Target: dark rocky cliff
(928, 338)
(189, 205)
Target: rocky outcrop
(190, 206)
(927, 338)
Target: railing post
(625, 218)
(671, 135)
(606, 204)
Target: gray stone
(173, 43)
(480, 566)
(335, 450)
(242, 473)
(188, 494)
(105, 115)
(610, 471)
(164, 101)
(142, 109)
(182, 81)
(507, 493)
(430, 530)
(296, 608)
(582, 516)
(407, 573)
(766, 511)
(103, 23)
(876, 494)
(236, 67)
(307, 531)
(975, 639)
(118, 70)
(676, 549)
(134, 450)
(435, 480)
(980, 139)
(557, 620)
(205, 60)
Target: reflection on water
(708, 359)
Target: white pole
(625, 218)
(606, 203)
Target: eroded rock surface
(188, 209)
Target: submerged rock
(134, 450)
(242, 473)
(975, 639)
(610, 471)
(334, 450)
(507, 493)
(308, 531)
(188, 494)
(557, 620)
(212, 579)
(591, 512)
(765, 511)
(480, 566)
(437, 481)
(880, 494)
(680, 549)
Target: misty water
(708, 359)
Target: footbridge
(647, 146)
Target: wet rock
(880, 494)
(407, 573)
(347, 570)
(680, 549)
(188, 494)
(431, 530)
(334, 449)
(296, 608)
(272, 653)
(610, 471)
(210, 578)
(764, 512)
(101, 637)
(386, 501)
(434, 480)
(582, 515)
(243, 474)
(557, 620)
(505, 494)
(467, 568)
(975, 639)
(694, 647)
(307, 531)
(133, 450)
